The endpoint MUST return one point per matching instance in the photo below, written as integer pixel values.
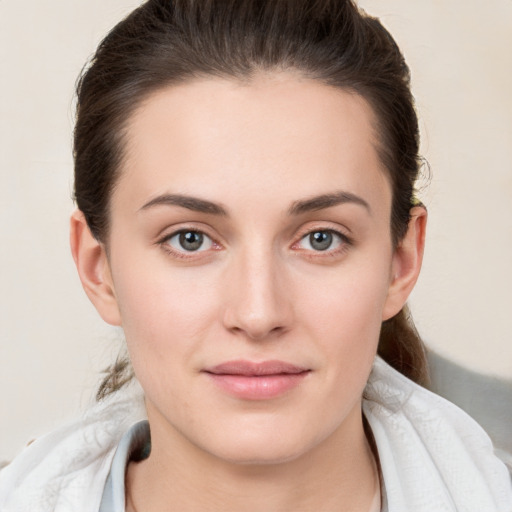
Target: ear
(406, 263)
(93, 269)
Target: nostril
(257, 334)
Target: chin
(261, 448)
(258, 457)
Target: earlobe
(93, 269)
(406, 265)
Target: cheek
(165, 311)
(343, 310)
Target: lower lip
(262, 387)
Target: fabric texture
(134, 440)
(433, 456)
(66, 470)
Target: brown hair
(165, 42)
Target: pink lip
(256, 381)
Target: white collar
(434, 457)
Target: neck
(339, 473)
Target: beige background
(53, 345)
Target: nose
(258, 304)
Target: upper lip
(249, 368)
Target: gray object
(486, 398)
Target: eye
(322, 240)
(190, 241)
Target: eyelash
(164, 242)
(344, 243)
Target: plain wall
(52, 343)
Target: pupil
(321, 240)
(191, 241)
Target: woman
(244, 176)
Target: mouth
(256, 381)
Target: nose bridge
(257, 304)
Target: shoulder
(66, 469)
(433, 455)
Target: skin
(257, 289)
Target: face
(251, 261)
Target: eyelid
(207, 240)
(169, 233)
(346, 240)
(313, 227)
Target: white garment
(434, 457)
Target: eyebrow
(327, 201)
(298, 207)
(188, 202)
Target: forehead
(281, 132)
